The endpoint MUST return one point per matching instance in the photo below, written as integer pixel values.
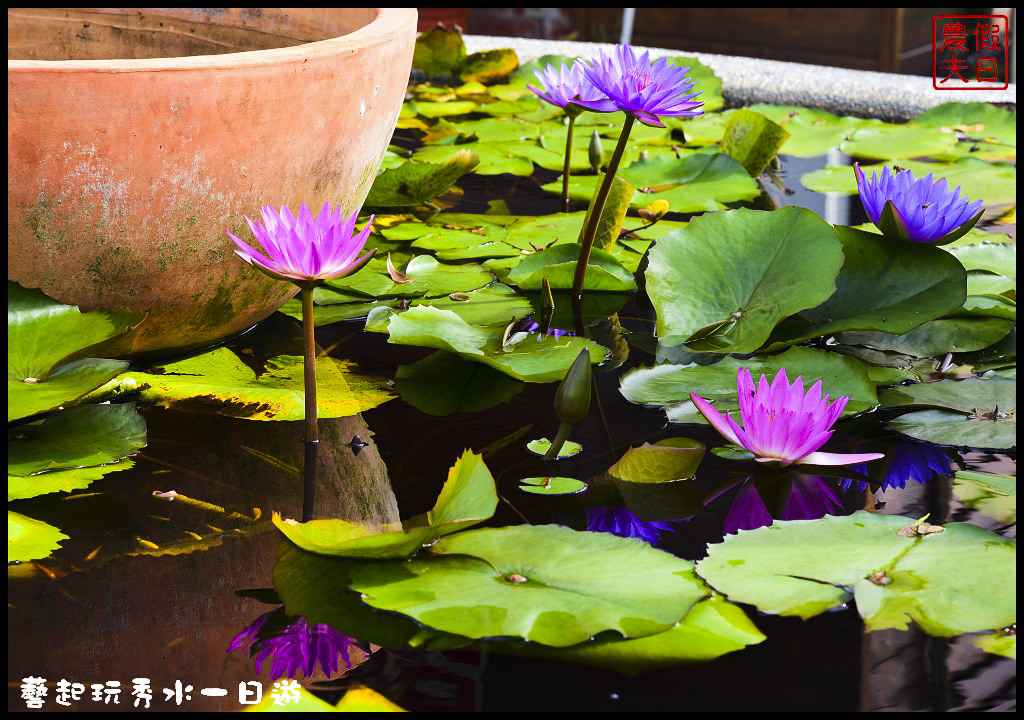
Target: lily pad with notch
(552, 485)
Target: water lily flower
(921, 211)
(564, 86)
(305, 250)
(781, 425)
(620, 521)
(640, 88)
(298, 646)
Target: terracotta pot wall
(124, 174)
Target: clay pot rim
(388, 23)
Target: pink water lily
(782, 425)
(305, 250)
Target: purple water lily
(564, 86)
(643, 89)
(298, 646)
(921, 211)
(781, 425)
(305, 250)
(620, 521)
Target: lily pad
(439, 51)
(552, 485)
(488, 65)
(887, 286)
(20, 488)
(81, 437)
(980, 121)
(998, 258)
(220, 382)
(894, 142)
(990, 494)
(523, 356)
(670, 386)
(1004, 644)
(812, 132)
(946, 582)
(937, 337)
(468, 497)
(541, 446)
(558, 265)
(416, 183)
(665, 461)
(943, 427)
(752, 140)
(711, 629)
(724, 282)
(443, 383)
(545, 583)
(29, 539)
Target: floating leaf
(443, 383)
(416, 183)
(467, 498)
(558, 265)
(29, 539)
(220, 382)
(724, 282)
(439, 51)
(670, 385)
(947, 583)
(541, 446)
(936, 338)
(894, 142)
(752, 140)
(545, 583)
(20, 488)
(552, 485)
(998, 258)
(998, 644)
(488, 65)
(81, 437)
(990, 494)
(892, 287)
(980, 121)
(612, 215)
(665, 461)
(949, 428)
(812, 132)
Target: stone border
(750, 80)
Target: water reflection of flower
(532, 326)
(918, 462)
(620, 521)
(297, 645)
(792, 496)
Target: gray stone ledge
(750, 80)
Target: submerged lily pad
(443, 383)
(468, 497)
(219, 381)
(726, 280)
(545, 583)
(946, 582)
(990, 494)
(552, 485)
(670, 385)
(81, 437)
(30, 539)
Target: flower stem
(312, 426)
(598, 209)
(559, 441)
(565, 170)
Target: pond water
(155, 589)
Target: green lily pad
(812, 132)
(726, 280)
(998, 644)
(426, 276)
(1000, 258)
(316, 587)
(667, 460)
(218, 380)
(670, 386)
(943, 427)
(443, 383)
(29, 539)
(714, 627)
(20, 488)
(545, 583)
(80, 437)
(558, 265)
(439, 51)
(887, 286)
(937, 337)
(977, 120)
(443, 109)
(416, 183)
(995, 183)
(967, 396)
(990, 494)
(752, 140)
(541, 446)
(44, 338)
(552, 485)
(695, 183)
(488, 65)
(494, 158)
(523, 356)
(467, 498)
(946, 582)
(894, 142)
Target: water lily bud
(572, 400)
(596, 152)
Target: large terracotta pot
(131, 146)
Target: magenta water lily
(647, 91)
(299, 645)
(564, 86)
(781, 424)
(918, 210)
(304, 249)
